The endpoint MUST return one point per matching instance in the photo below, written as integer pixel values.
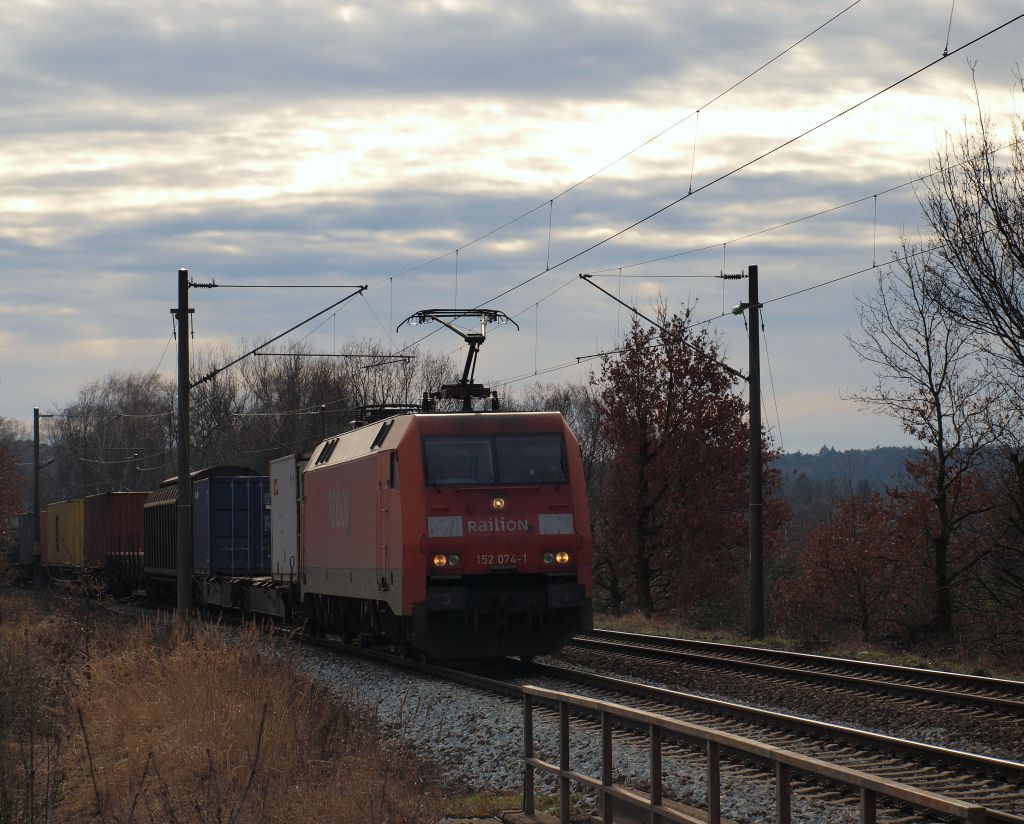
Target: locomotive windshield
(503, 459)
(458, 460)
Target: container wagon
(160, 528)
(113, 525)
(285, 522)
(65, 527)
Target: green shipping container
(65, 527)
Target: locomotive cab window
(505, 459)
(458, 460)
(531, 459)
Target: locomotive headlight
(549, 557)
(562, 558)
(440, 560)
(453, 560)
(497, 503)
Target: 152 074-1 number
(501, 559)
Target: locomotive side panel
(349, 548)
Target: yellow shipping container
(65, 525)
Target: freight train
(449, 534)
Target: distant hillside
(879, 467)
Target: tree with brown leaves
(675, 493)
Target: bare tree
(114, 435)
(974, 205)
(929, 379)
(12, 481)
(120, 432)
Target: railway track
(993, 698)
(995, 783)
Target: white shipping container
(285, 500)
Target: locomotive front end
(506, 548)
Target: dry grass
(481, 804)
(155, 723)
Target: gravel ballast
(477, 740)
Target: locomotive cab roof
(388, 433)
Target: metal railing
(871, 787)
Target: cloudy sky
(306, 141)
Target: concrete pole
(37, 567)
(756, 534)
(184, 554)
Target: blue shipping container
(231, 526)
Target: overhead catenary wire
(751, 162)
(949, 28)
(228, 365)
(756, 159)
(120, 460)
(550, 294)
(738, 168)
(387, 331)
(581, 359)
(163, 354)
(568, 189)
(866, 269)
(896, 259)
(296, 286)
(214, 285)
(731, 370)
(662, 277)
(342, 355)
(720, 178)
(609, 271)
(771, 381)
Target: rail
(871, 787)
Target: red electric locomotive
(461, 534)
